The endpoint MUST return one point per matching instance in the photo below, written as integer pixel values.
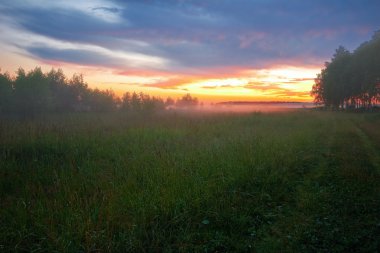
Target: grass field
(302, 181)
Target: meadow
(300, 181)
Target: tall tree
(5, 92)
(135, 102)
(62, 97)
(78, 93)
(351, 79)
(32, 92)
(126, 102)
(102, 101)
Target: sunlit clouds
(217, 50)
(277, 83)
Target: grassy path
(338, 204)
(371, 143)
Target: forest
(34, 92)
(351, 80)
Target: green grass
(281, 182)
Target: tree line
(35, 92)
(351, 80)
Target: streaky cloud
(109, 9)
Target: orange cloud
(282, 83)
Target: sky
(216, 50)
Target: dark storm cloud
(198, 34)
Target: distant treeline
(36, 92)
(351, 80)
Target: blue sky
(176, 40)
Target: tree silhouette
(169, 102)
(6, 90)
(135, 102)
(350, 80)
(187, 100)
(33, 93)
(126, 102)
(102, 101)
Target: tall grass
(298, 181)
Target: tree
(367, 57)
(126, 102)
(63, 99)
(78, 93)
(151, 104)
(135, 102)
(350, 80)
(187, 100)
(169, 102)
(101, 101)
(5, 92)
(141, 103)
(318, 89)
(32, 92)
(334, 78)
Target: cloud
(281, 93)
(180, 44)
(299, 80)
(78, 56)
(277, 91)
(171, 83)
(106, 9)
(47, 48)
(197, 34)
(218, 87)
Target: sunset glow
(214, 51)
